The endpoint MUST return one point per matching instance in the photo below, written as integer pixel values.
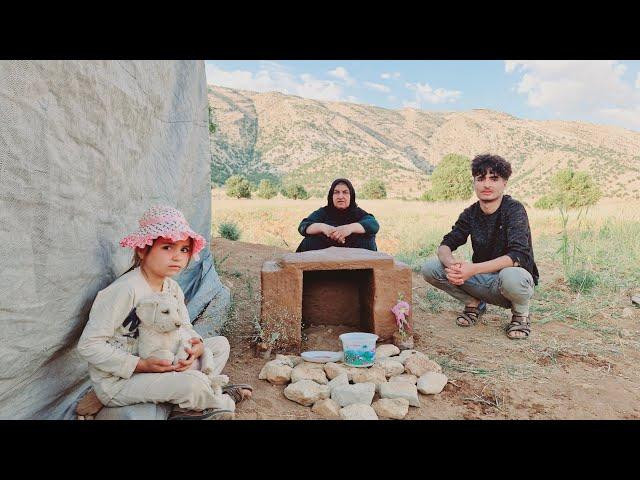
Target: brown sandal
(519, 323)
(235, 391)
(471, 315)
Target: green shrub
(545, 203)
(574, 189)
(570, 189)
(451, 179)
(238, 187)
(266, 189)
(229, 230)
(374, 189)
(581, 281)
(295, 191)
(428, 196)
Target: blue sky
(597, 91)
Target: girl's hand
(196, 351)
(154, 365)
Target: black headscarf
(352, 213)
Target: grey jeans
(511, 287)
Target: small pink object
(167, 222)
(400, 310)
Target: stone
(373, 374)
(306, 392)
(627, 312)
(431, 383)
(391, 367)
(326, 408)
(359, 393)
(400, 390)
(295, 359)
(419, 365)
(396, 408)
(334, 369)
(406, 354)
(387, 350)
(309, 371)
(277, 372)
(291, 360)
(635, 300)
(358, 412)
(285, 360)
(405, 377)
(341, 379)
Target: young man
(503, 271)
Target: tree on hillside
(570, 189)
(295, 191)
(451, 179)
(374, 189)
(238, 187)
(266, 189)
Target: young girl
(163, 246)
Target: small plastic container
(359, 349)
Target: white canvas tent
(85, 148)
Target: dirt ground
(561, 372)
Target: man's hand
(458, 273)
(341, 233)
(196, 351)
(154, 365)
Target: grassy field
(602, 261)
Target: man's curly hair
(481, 164)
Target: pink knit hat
(167, 222)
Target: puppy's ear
(142, 311)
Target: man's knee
(515, 281)
(433, 270)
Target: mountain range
(292, 139)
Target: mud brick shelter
(333, 286)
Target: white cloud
(273, 77)
(377, 86)
(638, 80)
(388, 75)
(579, 88)
(342, 74)
(352, 99)
(408, 104)
(392, 98)
(426, 94)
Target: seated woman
(340, 224)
